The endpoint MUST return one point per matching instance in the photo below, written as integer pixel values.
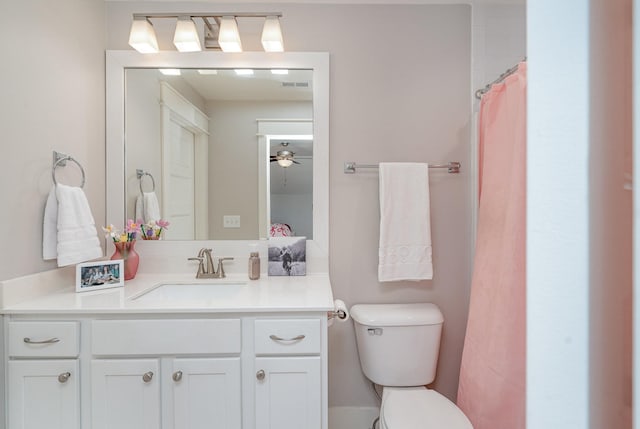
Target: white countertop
(49, 293)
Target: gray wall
(400, 85)
(52, 99)
(397, 94)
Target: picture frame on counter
(99, 275)
(287, 256)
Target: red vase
(127, 252)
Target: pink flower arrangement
(129, 234)
(153, 230)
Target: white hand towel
(151, 207)
(405, 226)
(77, 238)
(50, 227)
(148, 207)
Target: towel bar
(350, 166)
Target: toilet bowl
(419, 408)
(398, 346)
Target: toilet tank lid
(397, 314)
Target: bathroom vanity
(252, 357)
(166, 350)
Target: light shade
(186, 35)
(272, 35)
(286, 162)
(229, 37)
(142, 38)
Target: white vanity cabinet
(288, 373)
(43, 375)
(180, 392)
(172, 371)
(125, 393)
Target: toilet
(398, 346)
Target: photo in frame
(99, 275)
(287, 256)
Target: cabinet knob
(177, 376)
(260, 375)
(62, 378)
(147, 376)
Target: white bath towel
(405, 225)
(147, 207)
(75, 238)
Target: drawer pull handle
(147, 376)
(260, 375)
(277, 338)
(62, 378)
(177, 376)
(49, 341)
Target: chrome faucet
(206, 269)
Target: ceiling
(225, 84)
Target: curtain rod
(503, 76)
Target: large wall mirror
(224, 146)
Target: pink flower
(162, 223)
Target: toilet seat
(420, 408)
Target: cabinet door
(206, 393)
(43, 394)
(125, 394)
(288, 393)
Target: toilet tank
(398, 344)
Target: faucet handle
(200, 259)
(220, 273)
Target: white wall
(579, 215)
(400, 85)
(52, 99)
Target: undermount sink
(176, 292)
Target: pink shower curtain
(491, 391)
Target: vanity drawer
(287, 336)
(43, 339)
(158, 337)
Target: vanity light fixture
(142, 37)
(220, 31)
(243, 72)
(186, 36)
(279, 71)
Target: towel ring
(60, 160)
(140, 174)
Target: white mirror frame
(118, 61)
